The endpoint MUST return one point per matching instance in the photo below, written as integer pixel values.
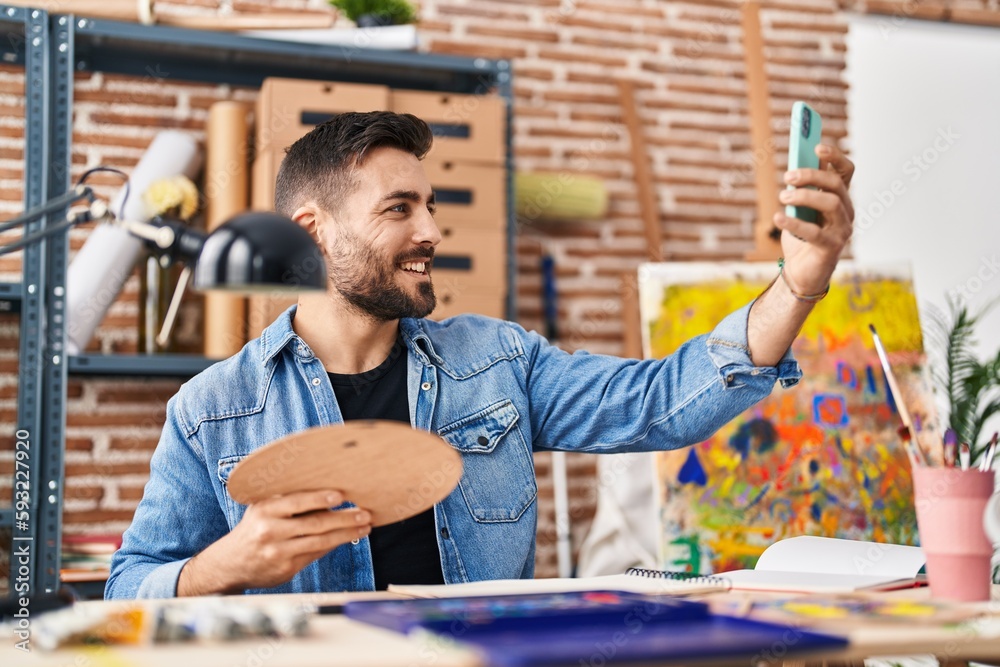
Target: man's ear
(309, 218)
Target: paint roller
(559, 196)
(98, 272)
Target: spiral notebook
(635, 580)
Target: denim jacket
(492, 390)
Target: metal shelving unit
(51, 48)
(139, 365)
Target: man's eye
(399, 208)
(432, 209)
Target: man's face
(381, 243)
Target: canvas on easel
(822, 458)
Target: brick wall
(686, 61)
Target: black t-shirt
(405, 552)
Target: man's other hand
(275, 539)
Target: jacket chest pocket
(234, 510)
(498, 481)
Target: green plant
(971, 386)
(395, 12)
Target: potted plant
(374, 13)
(970, 386)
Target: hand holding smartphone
(803, 139)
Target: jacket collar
(277, 336)
(280, 334)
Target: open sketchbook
(798, 564)
(634, 581)
(829, 565)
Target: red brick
(492, 11)
(83, 492)
(97, 516)
(611, 9)
(577, 56)
(108, 467)
(79, 444)
(133, 443)
(130, 492)
(153, 393)
(119, 120)
(479, 49)
(824, 27)
(152, 416)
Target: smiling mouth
(418, 268)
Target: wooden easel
(761, 140)
(766, 247)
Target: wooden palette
(388, 468)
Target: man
(494, 391)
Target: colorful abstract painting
(822, 458)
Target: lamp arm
(169, 239)
(51, 206)
(96, 209)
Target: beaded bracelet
(808, 298)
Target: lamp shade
(260, 252)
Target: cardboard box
(287, 109)
(471, 128)
(471, 259)
(483, 302)
(471, 195)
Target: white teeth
(414, 266)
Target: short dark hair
(319, 166)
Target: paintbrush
(964, 456)
(897, 396)
(911, 453)
(950, 447)
(991, 450)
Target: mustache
(416, 255)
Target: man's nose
(426, 231)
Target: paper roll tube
(98, 272)
(226, 194)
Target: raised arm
(810, 253)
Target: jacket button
(355, 542)
(483, 440)
(444, 533)
(425, 386)
(729, 379)
(315, 382)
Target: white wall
(924, 126)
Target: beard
(368, 282)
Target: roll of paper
(98, 272)
(226, 194)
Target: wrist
(804, 293)
(202, 575)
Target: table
(338, 641)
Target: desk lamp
(256, 251)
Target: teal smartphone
(802, 142)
